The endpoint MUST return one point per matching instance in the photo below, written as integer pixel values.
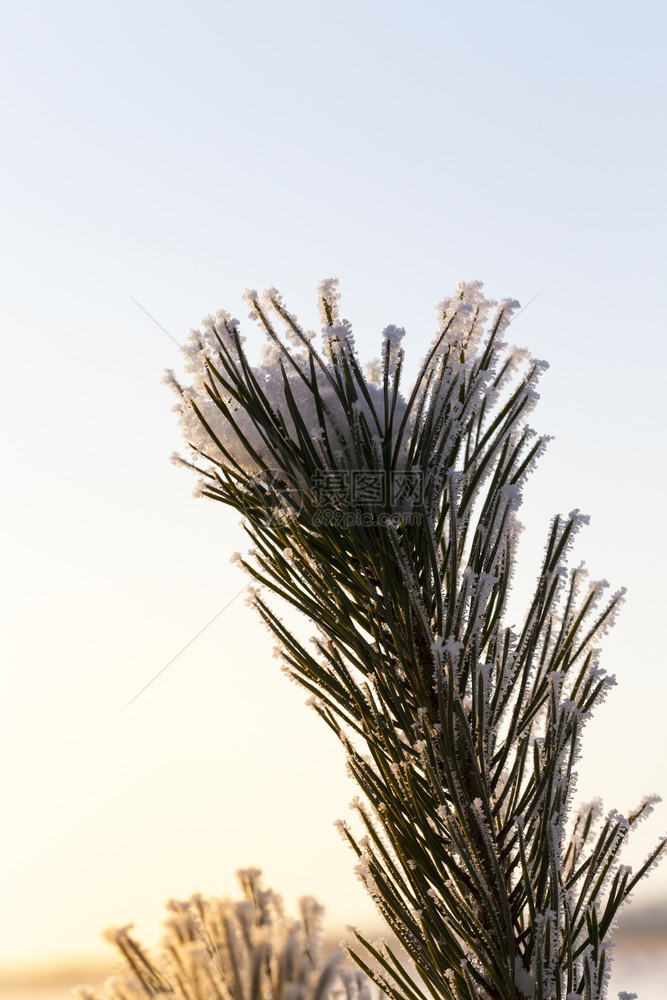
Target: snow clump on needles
(301, 408)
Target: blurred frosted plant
(390, 521)
(215, 949)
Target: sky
(158, 159)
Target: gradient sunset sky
(176, 153)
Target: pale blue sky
(179, 153)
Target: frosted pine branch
(390, 520)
